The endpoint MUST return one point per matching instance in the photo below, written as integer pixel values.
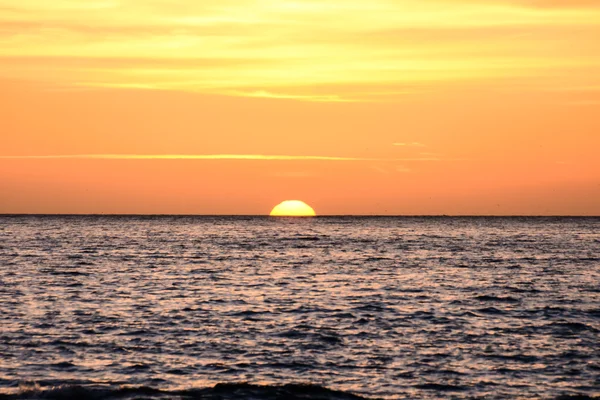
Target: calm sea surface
(428, 308)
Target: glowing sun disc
(292, 208)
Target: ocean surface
(165, 307)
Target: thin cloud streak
(254, 157)
(412, 144)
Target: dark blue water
(327, 308)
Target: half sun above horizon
(292, 208)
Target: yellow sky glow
(284, 48)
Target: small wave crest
(221, 391)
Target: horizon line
(315, 216)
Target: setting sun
(292, 208)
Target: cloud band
(256, 157)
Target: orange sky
(355, 107)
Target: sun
(292, 208)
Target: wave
(221, 391)
(498, 299)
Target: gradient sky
(355, 107)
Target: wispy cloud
(271, 95)
(269, 45)
(409, 144)
(252, 157)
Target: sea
(203, 307)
